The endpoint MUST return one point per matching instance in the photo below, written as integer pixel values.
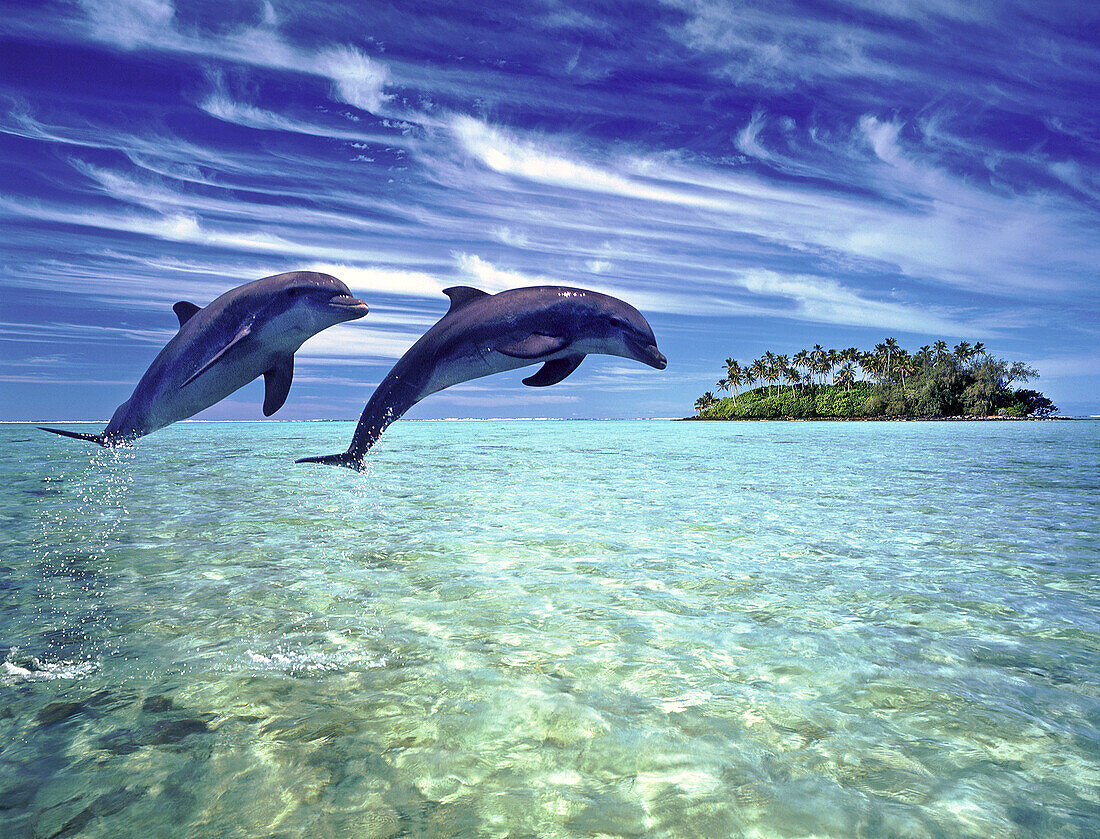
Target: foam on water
(16, 668)
(554, 629)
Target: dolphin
(484, 333)
(249, 331)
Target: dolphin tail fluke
(345, 459)
(94, 438)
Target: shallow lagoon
(553, 629)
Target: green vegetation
(888, 382)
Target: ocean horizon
(571, 629)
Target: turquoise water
(570, 629)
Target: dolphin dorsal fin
(185, 311)
(462, 295)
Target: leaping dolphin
(249, 331)
(484, 333)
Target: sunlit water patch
(553, 629)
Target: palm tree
(846, 375)
(891, 348)
(825, 362)
(816, 355)
(940, 349)
(705, 402)
(963, 351)
(735, 377)
(868, 363)
(758, 370)
(769, 365)
(880, 363)
(850, 356)
(905, 367)
(802, 358)
(771, 373)
(792, 376)
(781, 365)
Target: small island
(887, 383)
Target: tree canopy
(888, 381)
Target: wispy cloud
(363, 344)
(825, 300)
(746, 137)
(356, 78)
(221, 106)
(49, 333)
(384, 280)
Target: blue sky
(752, 176)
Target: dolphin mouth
(653, 357)
(352, 306)
(648, 354)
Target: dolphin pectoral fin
(277, 384)
(533, 346)
(185, 311)
(554, 371)
(242, 333)
(462, 294)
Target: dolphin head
(307, 301)
(626, 331)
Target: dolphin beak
(352, 307)
(652, 356)
(646, 352)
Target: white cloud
(354, 343)
(825, 300)
(51, 333)
(228, 110)
(358, 80)
(382, 280)
(691, 301)
(769, 45)
(129, 23)
(492, 279)
(154, 194)
(923, 222)
(1064, 367)
(178, 227)
(510, 156)
(150, 24)
(746, 138)
(511, 237)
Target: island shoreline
(878, 419)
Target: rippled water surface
(564, 629)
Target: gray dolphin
(483, 333)
(250, 330)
